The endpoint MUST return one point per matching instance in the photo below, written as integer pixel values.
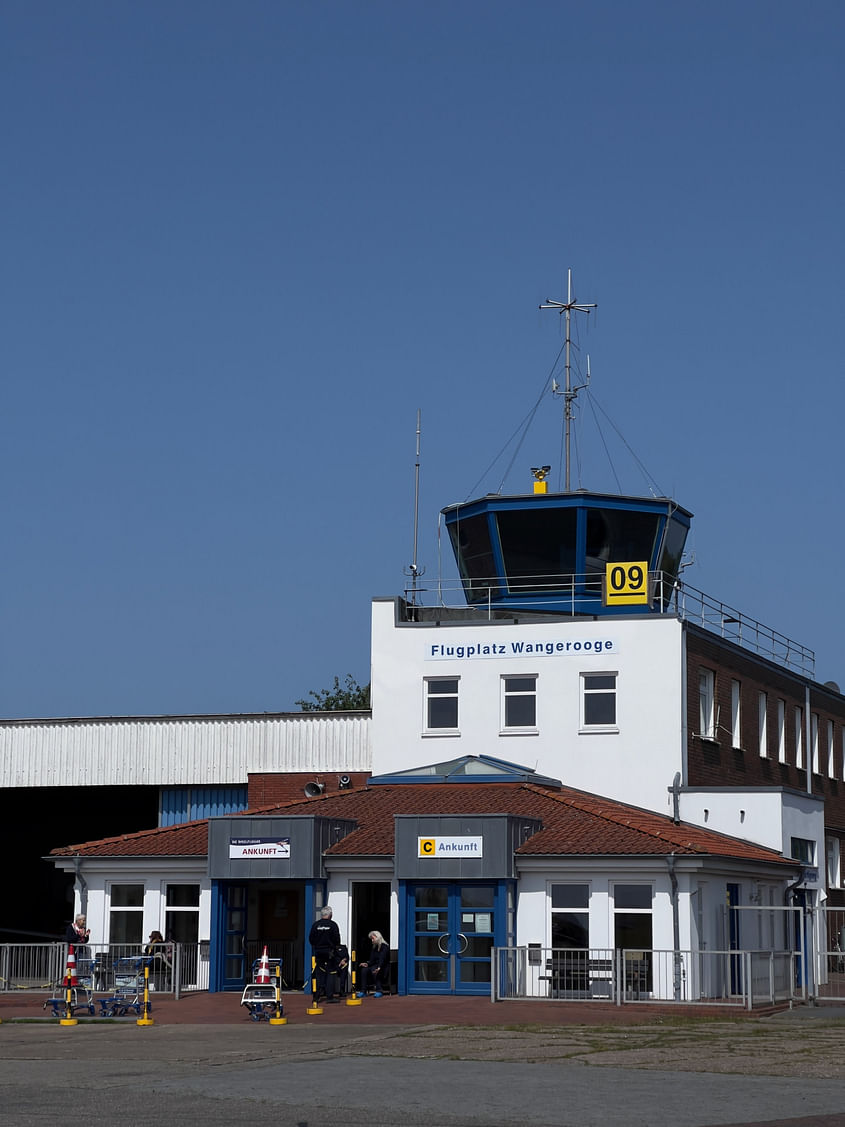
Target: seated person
(341, 961)
(375, 972)
(160, 965)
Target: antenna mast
(414, 571)
(566, 308)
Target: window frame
(831, 747)
(763, 723)
(799, 736)
(507, 695)
(781, 730)
(428, 697)
(706, 703)
(582, 911)
(127, 911)
(586, 728)
(736, 714)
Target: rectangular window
(707, 704)
(781, 731)
(598, 700)
(832, 848)
(570, 916)
(182, 913)
(441, 704)
(632, 932)
(814, 742)
(126, 914)
(736, 734)
(831, 758)
(799, 737)
(519, 702)
(762, 724)
(803, 849)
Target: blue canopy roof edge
(467, 769)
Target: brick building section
(284, 787)
(716, 762)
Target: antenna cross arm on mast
(564, 306)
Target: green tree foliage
(339, 698)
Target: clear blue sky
(244, 242)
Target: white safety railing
(667, 595)
(178, 969)
(742, 979)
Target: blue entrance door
(452, 933)
(234, 936)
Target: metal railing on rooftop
(668, 595)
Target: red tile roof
(574, 823)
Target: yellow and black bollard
(314, 1008)
(68, 1019)
(277, 1018)
(146, 1019)
(353, 979)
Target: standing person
(78, 934)
(374, 972)
(324, 938)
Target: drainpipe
(808, 751)
(676, 929)
(81, 884)
(675, 791)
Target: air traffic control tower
(577, 553)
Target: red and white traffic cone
(263, 975)
(70, 973)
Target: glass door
(234, 936)
(453, 928)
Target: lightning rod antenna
(414, 571)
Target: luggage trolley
(81, 995)
(128, 995)
(260, 997)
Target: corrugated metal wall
(179, 750)
(186, 804)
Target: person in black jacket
(324, 938)
(376, 970)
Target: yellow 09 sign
(625, 583)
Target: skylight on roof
(467, 768)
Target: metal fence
(181, 967)
(741, 979)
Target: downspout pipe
(676, 929)
(82, 886)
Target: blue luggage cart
(81, 995)
(128, 993)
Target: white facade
(633, 759)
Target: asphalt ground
(366, 1065)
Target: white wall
(770, 817)
(179, 750)
(635, 763)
